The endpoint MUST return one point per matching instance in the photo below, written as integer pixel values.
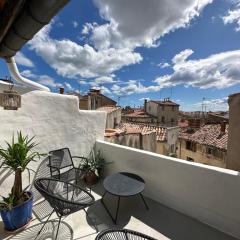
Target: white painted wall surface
(209, 194)
(56, 121)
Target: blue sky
(135, 49)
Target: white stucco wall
(209, 194)
(56, 121)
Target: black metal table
(123, 184)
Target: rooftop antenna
(203, 99)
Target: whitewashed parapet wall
(208, 194)
(56, 122)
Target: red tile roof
(208, 135)
(139, 113)
(108, 108)
(165, 103)
(161, 132)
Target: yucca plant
(16, 157)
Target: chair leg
(44, 225)
(95, 227)
(58, 226)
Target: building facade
(166, 111)
(113, 116)
(207, 145)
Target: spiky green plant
(16, 157)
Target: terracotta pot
(90, 178)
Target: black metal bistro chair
(122, 234)
(62, 166)
(64, 197)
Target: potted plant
(93, 167)
(16, 209)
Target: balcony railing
(208, 194)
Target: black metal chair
(62, 166)
(64, 197)
(41, 208)
(122, 234)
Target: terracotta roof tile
(161, 133)
(208, 135)
(166, 103)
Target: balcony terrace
(186, 200)
(171, 187)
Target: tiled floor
(159, 221)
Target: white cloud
(83, 82)
(87, 27)
(132, 87)
(75, 24)
(233, 16)
(23, 60)
(75, 60)
(48, 81)
(28, 74)
(103, 80)
(142, 99)
(69, 86)
(217, 71)
(182, 56)
(105, 90)
(164, 65)
(142, 22)
(219, 104)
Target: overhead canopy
(20, 20)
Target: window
(115, 122)
(149, 108)
(163, 119)
(191, 146)
(190, 159)
(172, 120)
(173, 108)
(163, 108)
(211, 151)
(188, 145)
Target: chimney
(233, 149)
(223, 126)
(61, 90)
(145, 105)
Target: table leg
(144, 202)
(117, 210)
(109, 213)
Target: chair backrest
(41, 207)
(60, 159)
(43, 171)
(122, 234)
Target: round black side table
(123, 184)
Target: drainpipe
(12, 66)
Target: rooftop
(210, 135)
(139, 113)
(165, 102)
(108, 108)
(161, 132)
